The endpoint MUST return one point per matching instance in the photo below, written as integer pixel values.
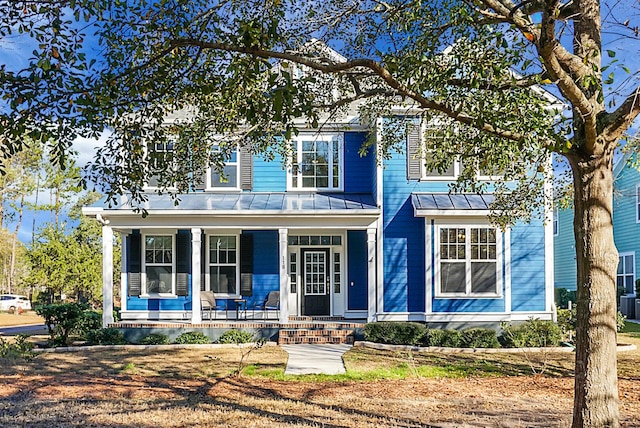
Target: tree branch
(376, 67)
(619, 121)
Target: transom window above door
(316, 162)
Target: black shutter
(134, 281)
(414, 138)
(246, 264)
(183, 262)
(246, 169)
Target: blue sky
(15, 52)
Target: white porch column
(371, 274)
(196, 309)
(124, 255)
(107, 276)
(284, 277)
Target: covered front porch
(219, 266)
(296, 330)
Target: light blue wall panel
(358, 170)
(527, 267)
(269, 175)
(626, 229)
(564, 252)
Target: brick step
(294, 318)
(324, 336)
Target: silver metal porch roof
(429, 204)
(258, 203)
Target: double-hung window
(228, 177)
(316, 162)
(223, 265)
(159, 264)
(555, 222)
(432, 141)
(159, 157)
(625, 277)
(468, 261)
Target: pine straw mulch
(190, 389)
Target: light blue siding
(269, 175)
(564, 252)
(527, 267)
(358, 170)
(626, 229)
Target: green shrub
(479, 338)
(155, 339)
(444, 338)
(62, 320)
(531, 333)
(90, 320)
(106, 336)
(20, 348)
(395, 333)
(563, 297)
(620, 321)
(192, 338)
(236, 336)
(567, 323)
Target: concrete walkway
(306, 359)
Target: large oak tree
(247, 70)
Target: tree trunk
(596, 380)
(12, 272)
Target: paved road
(24, 329)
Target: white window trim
(318, 137)
(236, 295)
(457, 164)
(208, 184)
(637, 203)
(423, 154)
(146, 157)
(143, 285)
(499, 268)
(555, 222)
(633, 258)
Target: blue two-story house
(626, 230)
(337, 234)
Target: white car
(14, 302)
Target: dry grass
(192, 388)
(30, 317)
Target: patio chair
(209, 303)
(270, 303)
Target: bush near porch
(532, 332)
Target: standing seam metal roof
(248, 201)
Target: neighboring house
(626, 231)
(337, 234)
(564, 250)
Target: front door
(316, 282)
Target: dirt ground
(193, 389)
(29, 317)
